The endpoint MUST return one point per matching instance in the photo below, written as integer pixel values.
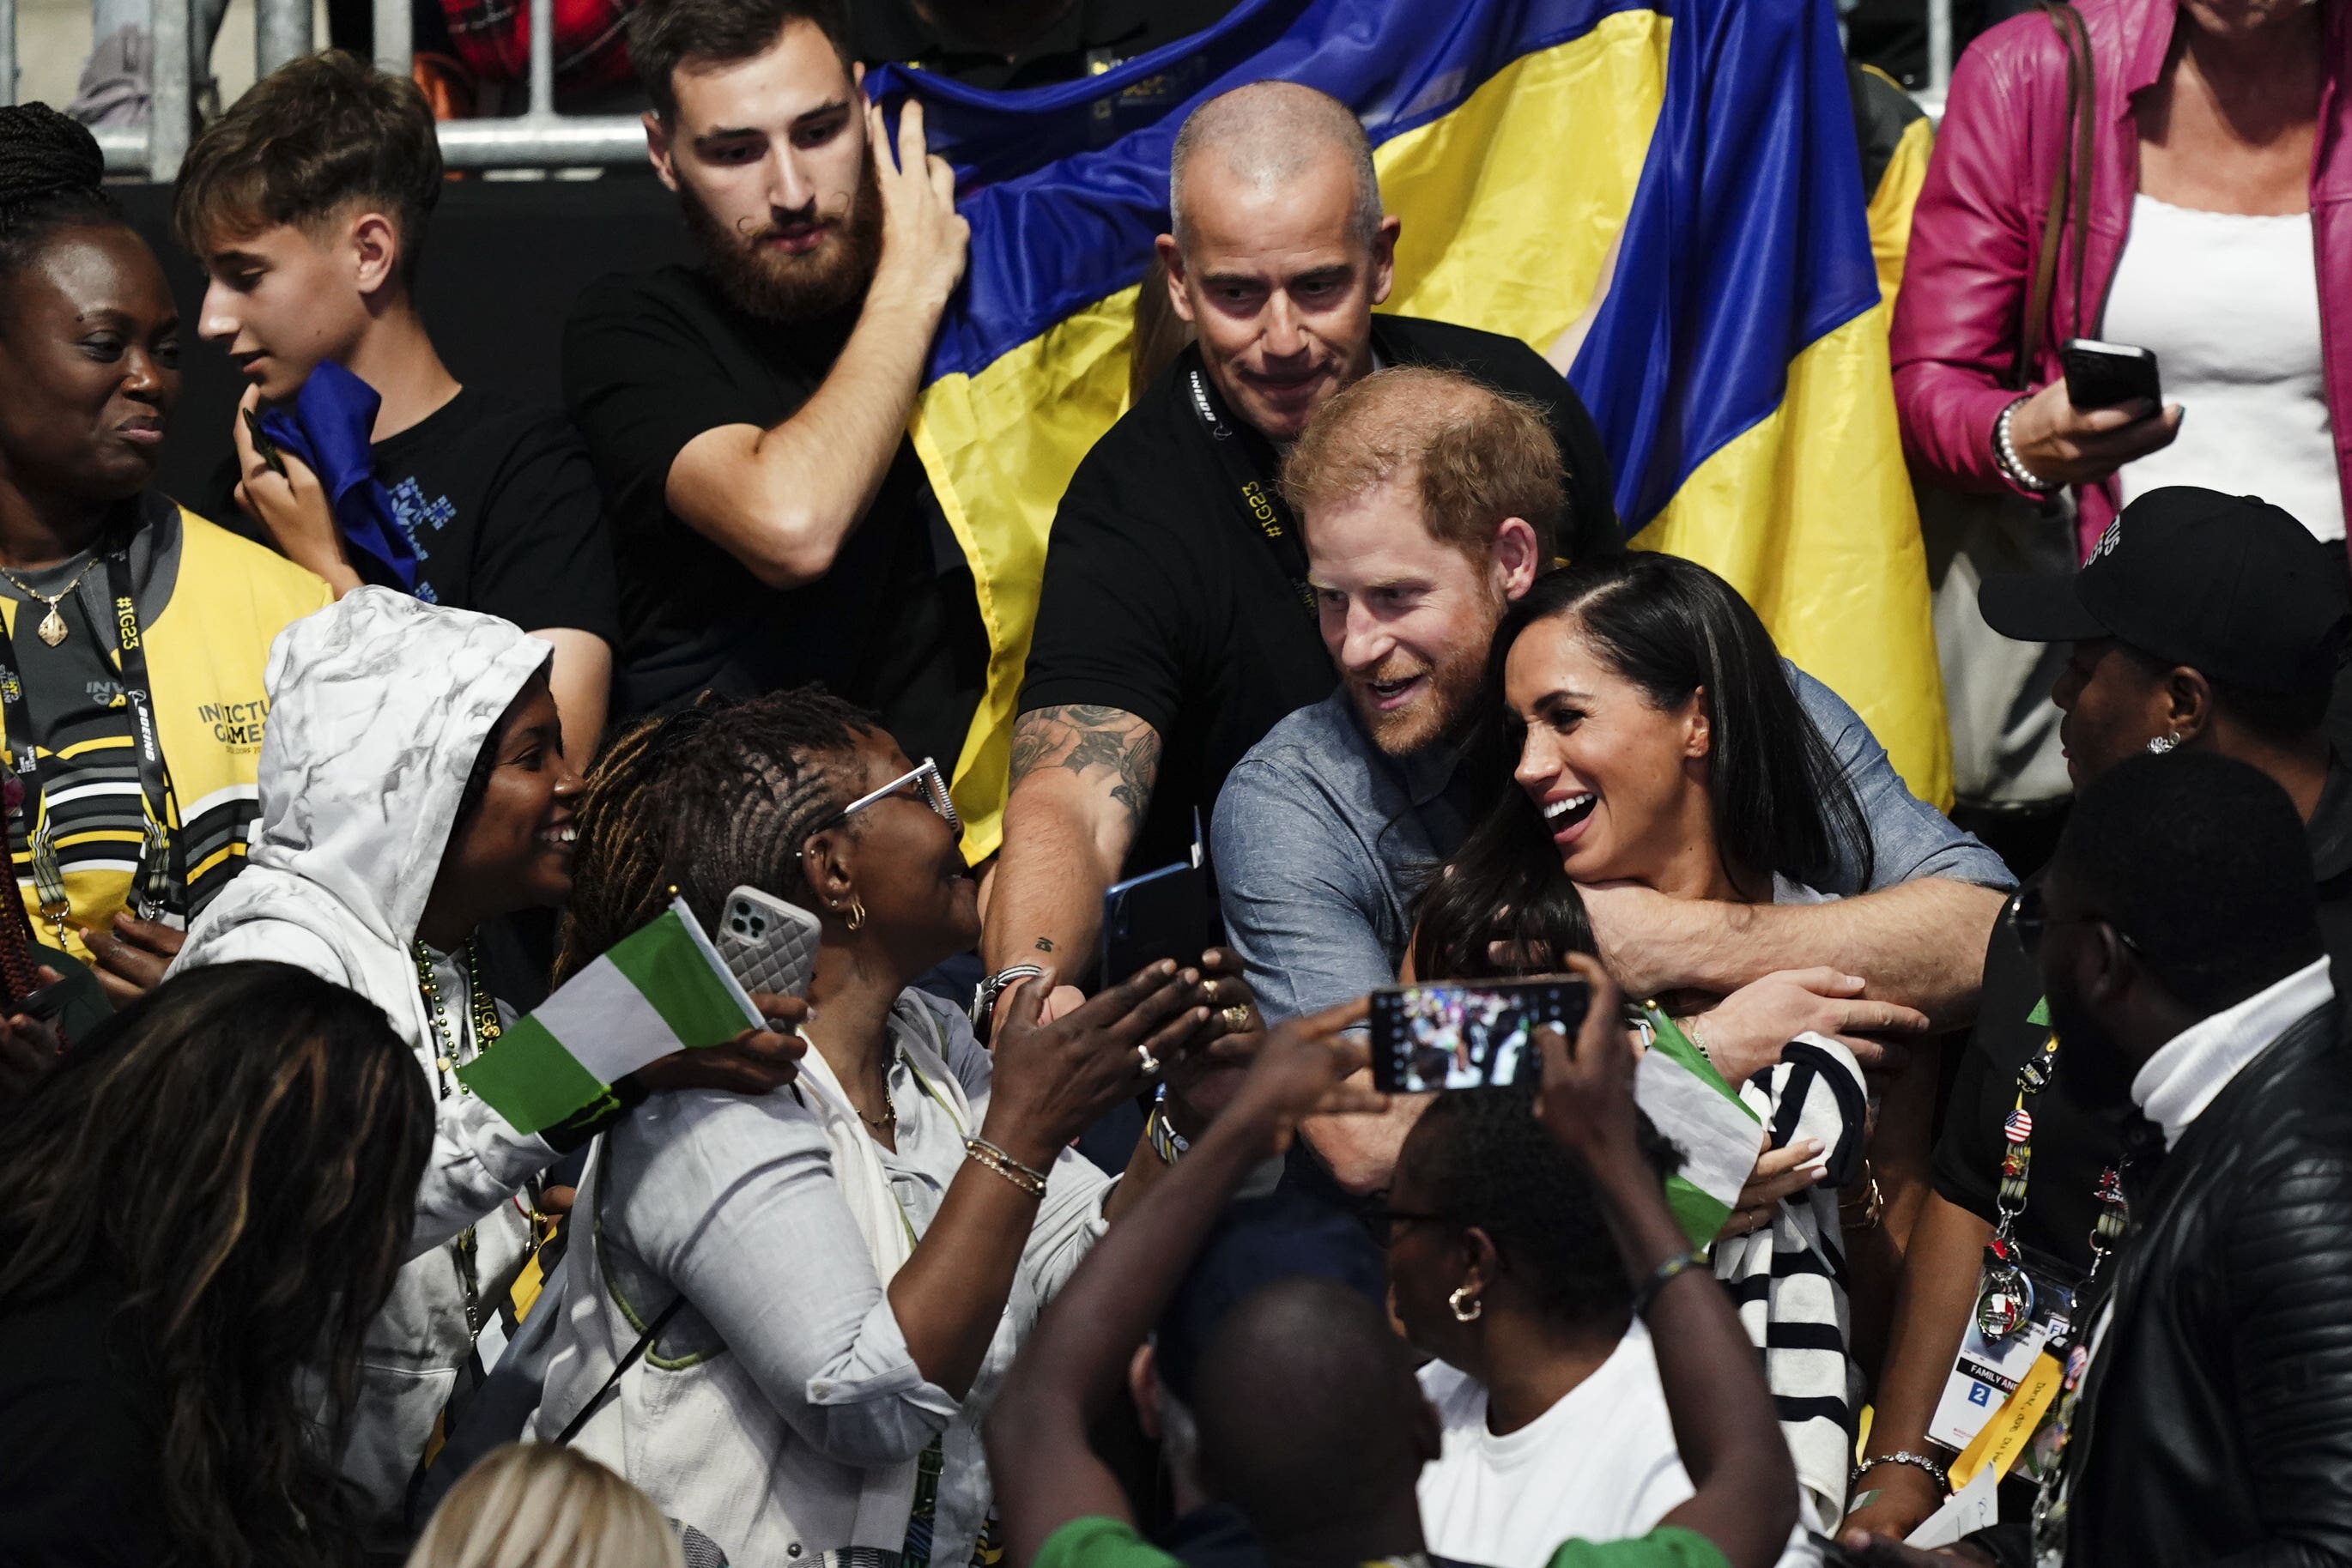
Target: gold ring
(1237, 1018)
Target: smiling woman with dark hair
(1653, 738)
(414, 787)
(90, 558)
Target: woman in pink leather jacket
(2219, 235)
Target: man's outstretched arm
(1044, 1471)
(1082, 780)
(1920, 944)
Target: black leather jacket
(2219, 1423)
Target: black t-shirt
(1163, 598)
(1087, 38)
(651, 361)
(502, 506)
(2071, 1145)
(81, 1467)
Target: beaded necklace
(448, 1046)
(448, 1054)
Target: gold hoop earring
(856, 916)
(1465, 1306)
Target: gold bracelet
(1028, 1178)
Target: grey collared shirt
(1321, 841)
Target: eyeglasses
(2030, 914)
(1384, 1222)
(934, 795)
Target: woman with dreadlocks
(134, 632)
(201, 1209)
(795, 1310)
(413, 788)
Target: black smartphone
(1162, 914)
(2109, 375)
(263, 447)
(1426, 1038)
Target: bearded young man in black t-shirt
(1176, 625)
(748, 416)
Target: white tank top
(2231, 305)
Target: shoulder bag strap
(596, 1401)
(2068, 206)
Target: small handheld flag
(661, 990)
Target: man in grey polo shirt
(1429, 503)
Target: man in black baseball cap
(2199, 620)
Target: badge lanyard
(2005, 1302)
(158, 874)
(1264, 506)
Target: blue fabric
(1321, 841)
(1746, 241)
(330, 430)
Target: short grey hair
(1268, 133)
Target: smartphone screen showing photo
(1426, 1038)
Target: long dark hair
(240, 1149)
(1779, 801)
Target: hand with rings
(1204, 1075)
(1051, 1080)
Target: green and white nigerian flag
(660, 989)
(1720, 1137)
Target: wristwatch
(983, 997)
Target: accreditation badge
(2025, 1304)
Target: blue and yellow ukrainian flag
(1737, 366)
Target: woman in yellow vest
(131, 671)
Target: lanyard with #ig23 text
(1264, 503)
(157, 880)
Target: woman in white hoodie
(413, 786)
(788, 1315)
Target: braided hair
(52, 177)
(709, 798)
(1486, 1162)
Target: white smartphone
(768, 944)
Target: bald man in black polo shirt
(1176, 625)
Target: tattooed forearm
(1082, 737)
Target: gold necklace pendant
(53, 625)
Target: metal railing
(538, 138)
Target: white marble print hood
(378, 706)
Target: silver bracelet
(1936, 1472)
(2004, 452)
(983, 997)
(1028, 1178)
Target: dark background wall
(502, 264)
